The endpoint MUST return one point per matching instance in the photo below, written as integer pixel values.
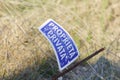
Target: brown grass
(92, 24)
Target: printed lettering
(70, 48)
(59, 32)
(51, 24)
(72, 54)
(60, 48)
(55, 28)
(63, 56)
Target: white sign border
(60, 69)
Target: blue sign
(64, 47)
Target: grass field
(23, 49)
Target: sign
(64, 47)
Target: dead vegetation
(92, 24)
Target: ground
(25, 52)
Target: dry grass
(92, 24)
